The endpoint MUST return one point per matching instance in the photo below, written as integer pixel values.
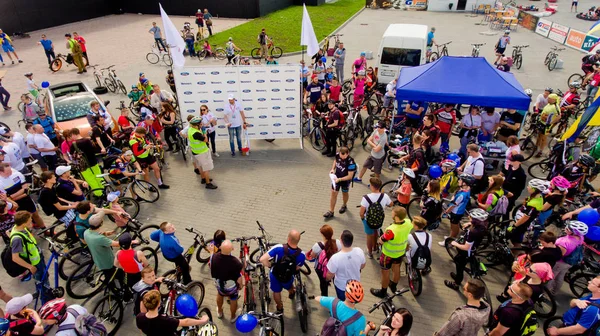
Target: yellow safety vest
(396, 247)
(197, 146)
(30, 250)
(135, 140)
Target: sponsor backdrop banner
(575, 39)
(558, 33)
(543, 27)
(589, 42)
(528, 21)
(269, 95)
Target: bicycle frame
(39, 286)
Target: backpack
(12, 268)
(85, 325)
(422, 257)
(575, 257)
(529, 324)
(342, 121)
(322, 261)
(501, 205)
(80, 162)
(375, 214)
(333, 326)
(285, 268)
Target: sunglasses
(203, 110)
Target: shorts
(386, 262)
(233, 294)
(374, 163)
(412, 123)
(429, 48)
(147, 161)
(276, 286)
(500, 50)
(27, 204)
(455, 218)
(344, 185)
(368, 230)
(204, 161)
(7, 48)
(387, 101)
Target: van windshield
(399, 56)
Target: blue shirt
(343, 313)
(589, 316)
(4, 39)
(47, 44)
(47, 124)
(276, 252)
(461, 199)
(169, 244)
(315, 91)
(430, 38)
(415, 106)
(156, 32)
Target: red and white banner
(558, 33)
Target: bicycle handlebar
(265, 315)
(443, 44)
(194, 231)
(477, 44)
(388, 299)
(174, 284)
(244, 239)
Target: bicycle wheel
(145, 190)
(202, 252)
(346, 140)
(579, 284)
(151, 256)
(202, 54)
(171, 275)
(110, 85)
(487, 298)
(277, 325)
(518, 61)
(249, 303)
(554, 321)
(143, 235)
(276, 52)
(575, 78)
(255, 255)
(302, 297)
(514, 53)
(97, 80)
(167, 59)
(255, 53)
(181, 145)
(346, 86)
(305, 269)
(414, 208)
(452, 251)
(547, 59)
(390, 188)
(545, 306)
(196, 290)
(540, 170)
(434, 56)
(220, 54)
(86, 281)
(71, 260)
(552, 63)
(131, 206)
(56, 64)
(414, 280)
(109, 310)
(121, 86)
(317, 139)
(528, 147)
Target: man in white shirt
(235, 119)
(388, 98)
(474, 166)
(490, 120)
(46, 148)
(345, 265)
(35, 154)
(542, 100)
(11, 154)
(18, 139)
(160, 96)
(470, 125)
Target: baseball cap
(518, 158)
(62, 169)
(125, 240)
(363, 53)
(3, 130)
(16, 304)
(27, 74)
(231, 96)
(553, 96)
(97, 219)
(111, 197)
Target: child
(359, 89)
(172, 249)
(31, 86)
(113, 199)
(149, 282)
(329, 77)
(405, 188)
(206, 46)
(458, 205)
(135, 94)
(334, 91)
(424, 238)
(449, 180)
(431, 205)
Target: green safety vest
(30, 249)
(396, 247)
(133, 141)
(537, 203)
(197, 146)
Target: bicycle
(198, 247)
(336, 44)
(181, 142)
(154, 56)
(266, 319)
(142, 190)
(272, 50)
(302, 305)
(476, 48)
(218, 53)
(99, 77)
(57, 63)
(528, 144)
(318, 139)
(247, 267)
(552, 58)
(444, 52)
(175, 289)
(208, 329)
(46, 291)
(387, 305)
(576, 77)
(113, 83)
(517, 55)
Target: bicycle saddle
(250, 267)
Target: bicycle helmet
(134, 87)
(578, 228)
(409, 172)
(528, 92)
(354, 291)
(467, 179)
(549, 89)
(449, 164)
(361, 73)
(144, 81)
(506, 32)
(561, 183)
(576, 85)
(538, 184)
(454, 157)
(587, 160)
(4, 325)
(54, 310)
(141, 74)
(478, 214)
(195, 120)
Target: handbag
(209, 22)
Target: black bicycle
(517, 55)
(387, 305)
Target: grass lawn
(284, 26)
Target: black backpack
(285, 268)
(529, 323)
(375, 214)
(12, 268)
(422, 258)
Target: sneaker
(343, 209)
(163, 186)
(216, 154)
(402, 272)
(357, 180)
(325, 152)
(13, 62)
(279, 310)
(211, 186)
(380, 293)
(328, 214)
(370, 255)
(204, 181)
(331, 155)
(197, 171)
(84, 70)
(219, 314)
(232, 154)
(28, 276)
(20, 61)
(443, 242)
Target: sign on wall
(528, 21)
(589, 42)
(575, 39)
(269, 95)
(558, 33)
(543, 27)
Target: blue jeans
(341, 294)
(50, 55)
(159, 43)
(4, 96)
(190, 45)
(591, 92)
(237, 131)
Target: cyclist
(446, 119)
(359, 64)
(345, 311)
(141, 149)
(135, 94)
(284, 260)
(171, 249)
(583, 313)
(167, 118)
(198, 140)
(319, 69)
(414, 112)
(468, 319)
(68, 187)
(14, 185)
(344, 169)
(97, 110)
(377, 140)
(149, 282)
(24, 249)
(358, 85)
(510, 316)
(549, 117)
(7, 218)
(558, 191)
(569, 245)
(119, 172)
(430, 133)
(589, 61)
(322, 251)
(475, 231)
(430, 42)
(226, 270)
(230, 49)
(541, 101)
(85, 210)
(449, 180)
(389, 97)
(263, 40)
(529, 211)
(50, 202)
(458, 206)
(571, 99)
(488, 200)
(313, 92)
(130, 261)
(24, 321)
(533, 273)
(576, 173)
(333, 127)
(501, 45)
(171, 79)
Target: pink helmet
(54, 310)
(561, 183)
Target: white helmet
(538, 184)
(578, 228)
(479, 214)
(409, 172)
(449, 164)
(528, 92)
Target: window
(68, 89)
(69, 108)
(399, 56)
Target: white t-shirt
(488, 121)
(13, 180)
(390, 90)
(19, 139)
(346, 266)
(507, 154)
(13, 156)
(233, 115)
(30, 141)
(70, 319)
(30, 85)
(42, 141)
(385, 201)
(471, 121)
(475, 167)
(421, 235)
(206, 122)
(541, 101)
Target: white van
(401, 45)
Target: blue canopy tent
(461, 80)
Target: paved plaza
(279, 184)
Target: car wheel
(100, 90)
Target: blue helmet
(454, 157)
(323, 59)
(435, 171)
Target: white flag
(308, 37)
(174, 40)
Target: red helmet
(54, 310)
(354, 291)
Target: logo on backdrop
(185, 73)
(275, 90)
(290, 98)
(260, 80)
(246, 91)
(231, 82)
(217, 91)
(214, 73)
(201, 83)
(245, 72)
(187, 93)
(262, 99)
(274, 71)
(220, 109)
(204, 101)
(290, 80)
(276, 107)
